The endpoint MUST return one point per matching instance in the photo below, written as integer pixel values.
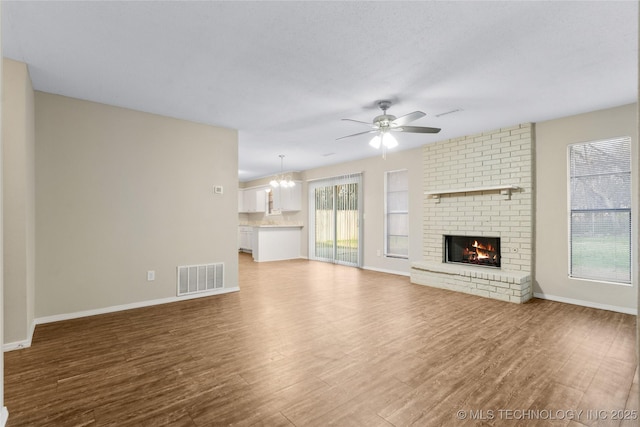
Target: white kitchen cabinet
(276, 242)
(253, 200)
(245, 238)
(261, 199)
(248, 200)
(288, 199)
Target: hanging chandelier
(282, 180)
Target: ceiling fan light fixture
(385, 123)
(384, 139)
(375, 142)
(389, 141)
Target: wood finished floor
(313, 344)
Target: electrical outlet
(378, 252)
(151, 275)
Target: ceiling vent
(449, 112)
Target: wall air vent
(200, 278)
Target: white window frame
(387, 212)
(352, 178)
(570, 211)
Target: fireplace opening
(476, 250)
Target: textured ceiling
(285, 73)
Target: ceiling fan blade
(359, 121)
(416, 129)
(356, 134)
(407, 118)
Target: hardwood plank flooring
(313, 344)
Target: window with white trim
(600, 210)
(396, 214)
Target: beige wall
(2, 407)
(19, 202)
(120, 192)
(551, 245)
(374, 169)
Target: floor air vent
(200, 278)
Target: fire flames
(482, 251)
(473, 250)
(479, 252)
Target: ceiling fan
(384, 124)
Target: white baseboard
(18, 345)
(4, 416)
(590, 304)
(382, 270)
(115, 308)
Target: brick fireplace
(479, 187)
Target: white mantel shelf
(505, 190)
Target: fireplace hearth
(474, 250)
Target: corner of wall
(18, 174)
(22, 344)
(4, 414)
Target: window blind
(335, 218)
(600, 210)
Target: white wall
(19, 203)
(120, 192)
(551, 245)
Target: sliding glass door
(335, 213)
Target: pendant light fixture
(282, 180)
